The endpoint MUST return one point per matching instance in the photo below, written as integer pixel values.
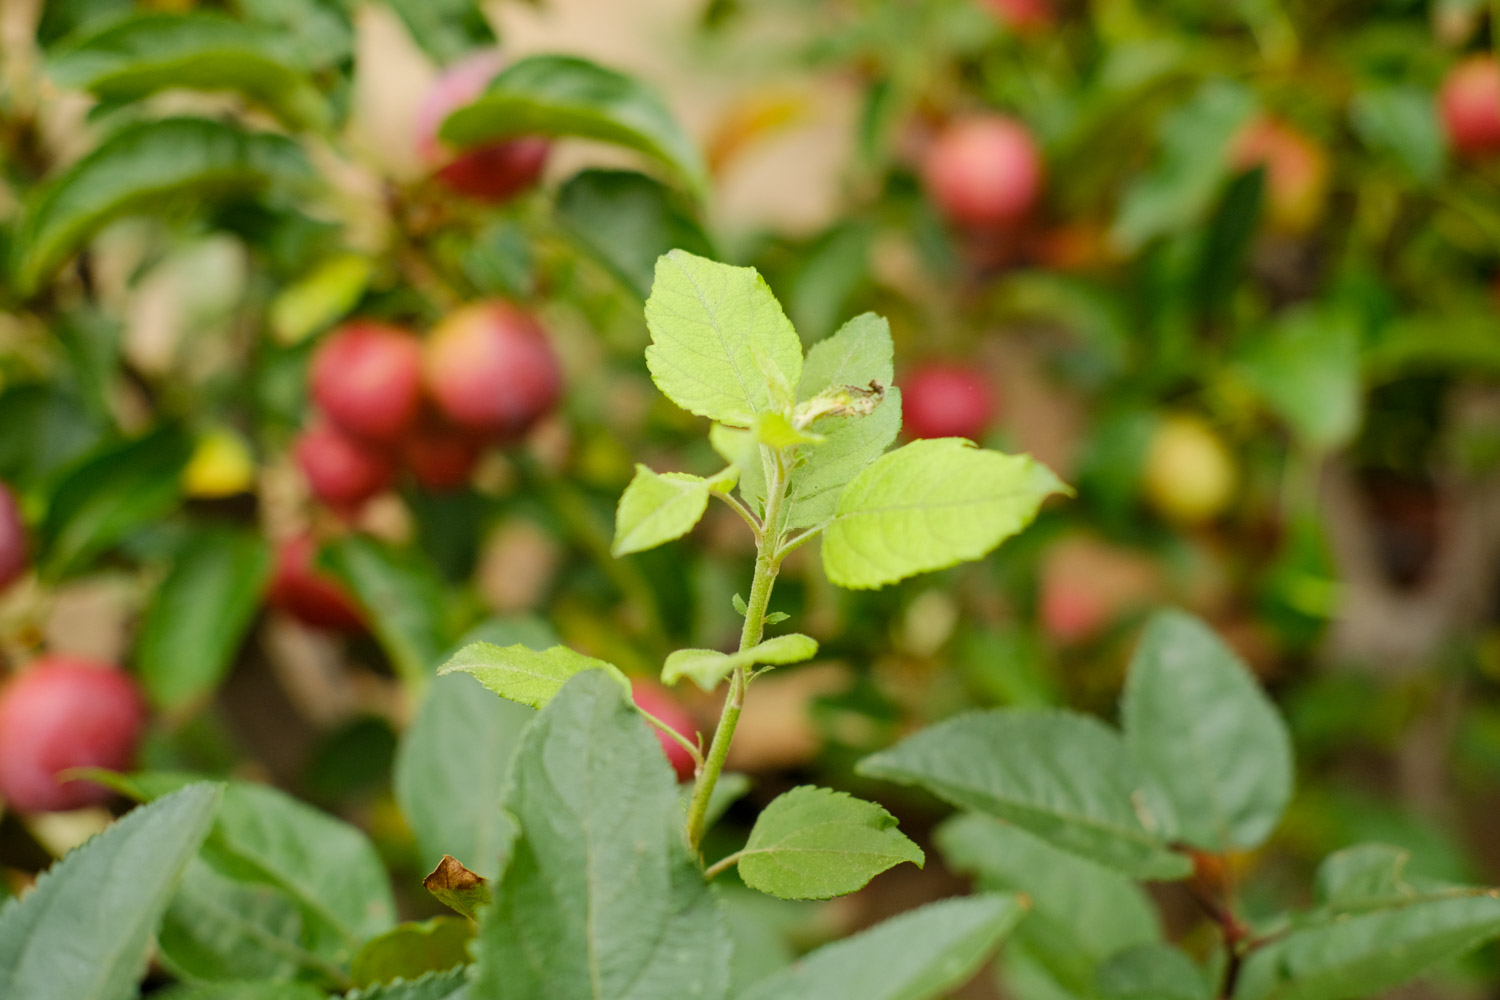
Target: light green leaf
(445, 29)
(704, 317)
(411, 950)
(707, 667)
(105, 497)
(450, 985)
(321, 298)
(1307, 369)
(1062, 776)
(450, 772)
(405, 600)
(219, 928)
(915, 956)
(1397, 120)
(1081, 913)
(1365, 876)
(928, 505)
(601, 899)
(131, 58)
(816, 843)
(737, 446)
(242, 991)
(521, 674)
(199, 614)
(1201, 728)
(1364, 954)
(84, 931)
(858, 353)
(1152, 972)
(776, 431)
(627, 220)
(140, 168)
(567, 96)
(656, 508)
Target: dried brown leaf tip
(457, 888)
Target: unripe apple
(221, 466)
(1022, 16)
(656, 701)
(367, 379)
(490, 173)
(65, 712)
(1296, 171)
(946, 400)
(1470, 106)
(14, 552)
(341, 471)
(984, 171)
(311, 597)
(1190, 476)
(490, 369)
(440, 456)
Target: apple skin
(1024, 17)
(488, 173)
(64, 712)
(1296, 184)
(311, 597)
(440, 457)
(946, 400)
(341, 471)
(367, 379)
(1469, 104)
(491, 369)
(657, 701)
(15, 553)
(984, 170)
(1189, 476)
(1069, 613)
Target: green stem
(767, 564)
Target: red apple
(655, 700)
(1296, 171)
(341, 471)
(946, 400)
(311, 597)
(1470, 106)
(984, 171)
(440, 456)
(367, 379)
(490, 369)
(1071, 613)
(1022, 16)
(490, 173)
(65, 712)
(14, 552)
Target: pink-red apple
(946, 400)
(310, 596)
(367, 379)
(65, 712)
(491, 369)
(1296, 171)
(14, 551)
(341, 471)
(492, 172)
(985, 170)
(1023, 16)
(656, 701)
(1470, 106)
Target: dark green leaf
(1064, 777)
(218, 928)
(405, 599)
(58, 428)
(1365, 876)
(411, 950)
(129, 59)
(1307, 369)
(1152, 972)
(626, 220)
(600, 897)
(199, 614)
(915, 956)
(242, 991)
(110, 495)
(140, 168)
(84, 931)
(320, 31)
(568, 96)
(1398, 121)
(816, 843)
(450, 985)
(445, 29)
(1199, 725)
